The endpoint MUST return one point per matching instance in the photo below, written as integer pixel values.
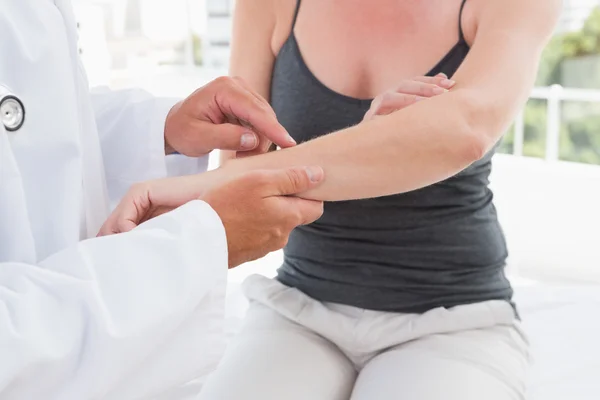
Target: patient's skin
(358, 50)
(361, 51)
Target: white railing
(554, 96)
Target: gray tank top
(439, 246)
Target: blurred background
(546, 181)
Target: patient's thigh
(273, 358)
(488, 364)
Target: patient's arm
(435, 139)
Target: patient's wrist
(208, 180)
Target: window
(561, 121)
(168, 47)
(219, 7)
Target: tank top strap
(461, 34)
(296, 12)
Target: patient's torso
(439, 246)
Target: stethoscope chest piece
(12, 111)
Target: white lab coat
(129, 316)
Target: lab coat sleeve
(119, 317)
(131, 129)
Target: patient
(401, 295)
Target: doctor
(136, 315)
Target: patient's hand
(407, 93)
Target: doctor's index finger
(238, 80)
(306, 211)
(242, 104)
(123, 219)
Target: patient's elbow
(480, 128)
(475, 146)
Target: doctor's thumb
(116, 225)
(296, 180)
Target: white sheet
(563, 323)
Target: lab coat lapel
(94, 181)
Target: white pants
(293, 347)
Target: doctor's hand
(225, 114)
(257, 208)
(407, 93)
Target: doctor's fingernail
(249, 141)
(315, 174)
(439, 90)
(291, 139)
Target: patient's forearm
(436, 138)
(404, 151)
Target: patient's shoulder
(540, 14)
(269, 19)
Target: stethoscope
(12, 110)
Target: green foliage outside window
(570, 59)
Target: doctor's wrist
(169, 131)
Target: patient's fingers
(390, 102)
(440, 80)
(419, 88)
(408, 92)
